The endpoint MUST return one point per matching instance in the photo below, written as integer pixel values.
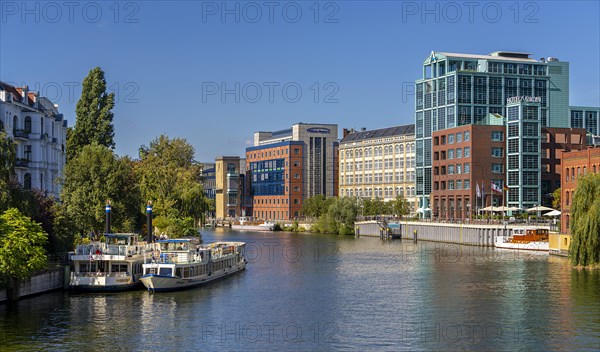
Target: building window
(497, 152)
(497, 168)
(497, 136)
(459, 137)
(450, 138)
(467, 152)
(27, 181)
(296, 150)
(467, 136)
(297, 176)
(27, 127)
(459, 153)
(567, 198)
(467, 168)
(451, 154)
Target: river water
(320, 293)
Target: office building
(227, 187)
(463, 89)
(39, 132)
(288, 166)
(378, 164)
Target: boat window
(118, 268)
(165, 272)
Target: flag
(496, 188)
(477, 190)
(482, 192)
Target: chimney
(345, 132)
(363, 129)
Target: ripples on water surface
(316, 293)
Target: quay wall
(475, 235)
(49, 280)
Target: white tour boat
(181, 264)
(113, 265)
(524, 239)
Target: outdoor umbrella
(539, 208)
(553, 213)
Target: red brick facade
(460, 163)
(289, 205)
(574, 165)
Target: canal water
(321, 293)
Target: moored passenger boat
(113, 265)
(525, 239)
(181, 264)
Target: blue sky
(173, 63)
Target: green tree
(399, 206)
(585, 222)
(93, 176)
(169, 177)
(556, 199)
(316, 206)
(339, 217)
(7, 168)
(94, 116)
(22, 250)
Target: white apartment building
(40, 134)
(378, 163)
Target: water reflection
(316, 292)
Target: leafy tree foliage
(7, 168)
(22, 250)
(90, 178)
(169, 177)
(373, 207)
(339, 217)
(585, 222)
(316, 206)
(94, 122)
(556, 199)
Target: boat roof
(120, 235)
(175, 240)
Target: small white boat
(524, 239)
(180, 263)
(267, 226)
(113, 265)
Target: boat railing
(111, 249)
(101, 274)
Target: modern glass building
(463, 89)
(585, 117)
(523, 153)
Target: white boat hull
(253, 227)
(543, 246)
(160, 283)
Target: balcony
(20, 134)
(22, 163)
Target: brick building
(556, 141)
(574, 165)
(464, 157)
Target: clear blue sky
(168, 61)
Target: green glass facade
(462, 89)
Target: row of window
(457, 153)
(452, 169)
(387, 177)
(451, 185)
(452, 138)
(387, 192)
(379, 151)
(276, 215)
(276, 201)
(27, 124)
(385, 164)
(573, 177)
(269, 153)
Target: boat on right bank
(525, 239)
